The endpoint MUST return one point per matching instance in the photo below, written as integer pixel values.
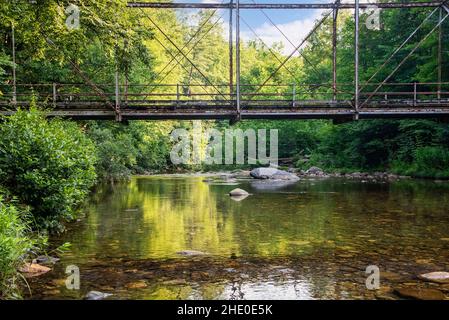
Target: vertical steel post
(415, 94)
(237, 61)
(440, 58)
(117, 96)
(126, 75)
(294, 94)
(54, 95)
(177, 95)
(118, 115)
(231, 50)
(14, 80)
(334, 52)
(356, 62)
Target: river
(168, 237)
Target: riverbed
(167, 237)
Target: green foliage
(15, 243)
(47, 164)
(135, 148)
(428, 162)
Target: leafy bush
(47, 164)
(14, 245)
(123, 150)
(428, 162)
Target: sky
(295, 24)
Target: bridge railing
(222, 95)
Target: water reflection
(311, 239)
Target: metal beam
(238, 59)
(231, 53)
(317, 25)
(246, 6)
(404, 60)
(14, 88)
(356, 60)
(401, 46)
(334, 51)
(440, 57)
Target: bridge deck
(163, 110)
(164, 102)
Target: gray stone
(273, 174)
(263, 173)
(45, 260)
(97, 295)
(191, 253)
(238, 193)
(438, 277)
(315, 170)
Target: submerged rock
(45, 260)
(191, 253)
(272, 174)
(439, 277)
(136, 285)
(238, 193)
(420, 293)
(97, 295)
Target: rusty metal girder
(246, 6)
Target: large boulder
(273, 174)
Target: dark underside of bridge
(281, 110)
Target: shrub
(47, 164)
(14, 245)
(116, 152)
(123, 150)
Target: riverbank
(313, 172)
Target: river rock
(97, 295)
(439, 277)
(46, 260)
(272, 174)
(238, 193)
(191, 253)
(136, 285)
(420, 293)
(239, 198)
(34, 270)
(315, 171)
(263, 173)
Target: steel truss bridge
(236, 100)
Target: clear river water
(169, 237)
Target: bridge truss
(236, 100)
